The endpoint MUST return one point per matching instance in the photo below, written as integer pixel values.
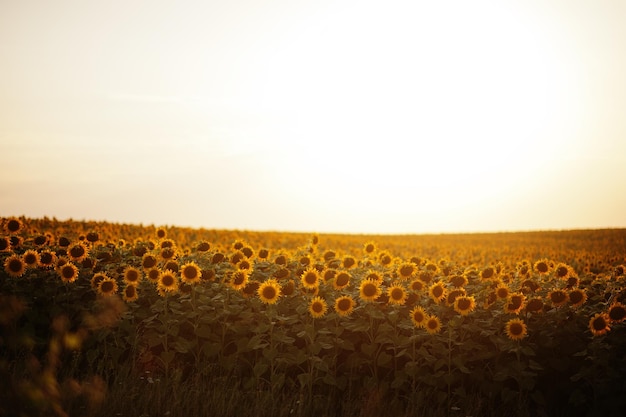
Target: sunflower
(385, 258)
(535, 305)
(617, 312)
(558, 297)
(269, 291)
(310, 278)
(107, 286)
(464, 304)
(68, 272)
(263, 253)
(14, 266)
(453, 295)
(289, 288)
(238, 279)
(514, 303)
(502, 291)
(369, 247)
(132, 275)
(5, 244)
(317, 307)
(168, 282)
(516, 329)
(244, 264)
(437, 291)
(542, 267)
(342, 280)
(130, 293)
(168, 253)
(488, 272)
(374, 276)
(305, 260)
(417, 285)
(280, 260)
(369, 290)
(577, 297)
(96, 278)
(148, 261)
(348, 262)
(458, 281)
(78, 251)
(31, 258)
(46, 259)
(397, 295)
(329, 255)
(433, 324)
(190, 273)
(419, 316)
(161, 233)
(599, 324)
(13, 225)
(406, 270)
(562, 271)
(153, 275)
(207, 275)
(344, 305)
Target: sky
(350, 116)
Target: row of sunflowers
(501, 315)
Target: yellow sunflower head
(132, 275)
(107, 286)
(31, 258)
(148, 261)
(558, 297)
(238, 279)
(369, 290)
(432, 324)
(190, 273)
(419, 316)
(168, 282)
(348, 262)
(130, 293)
(342, 280)
(542, 267)
(599, 324)
(78, 251)
(344, 305)
(310, 278)
(516, 329)
(437, 291)
(514, 303)
(317, 307)
(14, 266)
(617, 312)
(464, 304)
(406, 270)
(68, 272)
(369, 248)
(577, 297)
(269, 291)
(396, 294)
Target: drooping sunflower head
(68, 272)
(419, 316)
(238, 279)
(244, 264)
(406, 270)
(534, 305)
(269, 291)
(617, 312)
(348, 262)
(464, 304)
(317, 307)
(516, 329)
(458, 280)
(310, 278)
(558, 297)
(453, 295)
(433, 324)
(599, 324)
(148, 261)
(97, 278)
(514, 303)
(344, 305)
(342, 280)
(369, 290)
(577, 297)
(130, 293)
(190, 273)
(396, 294)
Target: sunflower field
(102, 319)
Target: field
(103, 319)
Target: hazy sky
(329, 116)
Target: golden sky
(328, 116)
